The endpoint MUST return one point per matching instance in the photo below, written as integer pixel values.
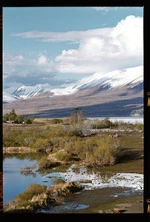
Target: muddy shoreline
(103, 201)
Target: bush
(42, 144)
(24, 198)
(139, 126)
(29, 120)
(57, 121)
(76, 147)
(100, 152)
(45, 163)
(105, 123)
(18, 119)
(63, 156)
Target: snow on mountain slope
(26, 92)
(8, 98)
(106, 81)
(112, 79)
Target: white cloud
(20, 66)
(74, 36)
(122, 47)
(100, 50)
(128, 35)
(42, 60)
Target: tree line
(12, 117)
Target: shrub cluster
(92, 149)
(12, 117)
(24, 198)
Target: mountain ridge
(123, 90)
(125, 99)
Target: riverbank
(99, 203)
(112, 200)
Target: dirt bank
(100, 201)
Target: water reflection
(15, 180)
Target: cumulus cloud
(100, 50)
(122, 47)
(18, 65)
(42, 60)
(18, 70)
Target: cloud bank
(99, 50)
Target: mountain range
(116, 93)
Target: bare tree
(76, 116)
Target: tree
(29, 120)
(76, 116)
(10, 116)
(13, 112)
(18, 119)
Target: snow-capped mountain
(109, 80)
(8, 97)
(25, 92)
(117, 93)
(105, 81)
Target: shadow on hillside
(109, 109)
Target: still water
(14, 182)
(130, 119)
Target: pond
(94, 182)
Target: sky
(57, 46)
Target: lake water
(14, 182)
(129, 119)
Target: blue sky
(53, 46)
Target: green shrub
(42, 144)
(99, 124)
(139, 126)
(57, 121)
(76, 147)
(45, 163)
(29, 120)
(105, 154)
(63, 156)
(18, 119)
(24, 198)
(102, 151)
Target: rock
(102, 212)
(116, 210)
(54, 194)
